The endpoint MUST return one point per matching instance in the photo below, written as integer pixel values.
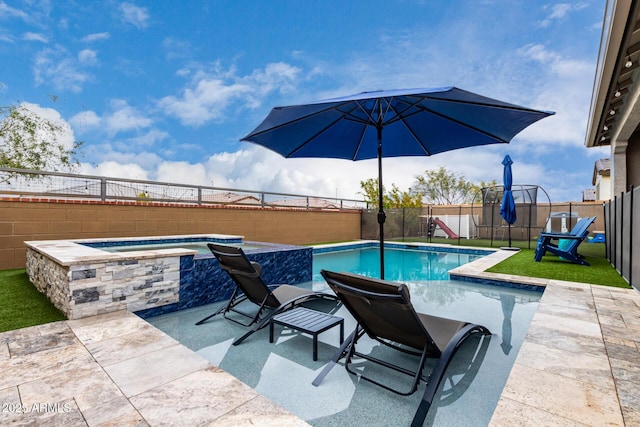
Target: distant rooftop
(601, 167)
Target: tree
(370, 191)
(444, 187)
(28, 140)
(404, 199)
(394, 199)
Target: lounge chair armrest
(257, 267)
(569, 237)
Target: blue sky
(165, 90)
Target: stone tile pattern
(203, 281)
(619, 315)
(99, 287)
(84, 281)
(579, 364)
(115, 369)
(50, 278)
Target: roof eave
(611, 45)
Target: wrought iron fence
(29, 183)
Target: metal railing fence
(29, 183)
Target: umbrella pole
(381, 214)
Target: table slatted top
(306, 320)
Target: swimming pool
(402, 263)
(198, 244)
(283, 371)
(155, 275)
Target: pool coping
(578, 365)
(74, 252)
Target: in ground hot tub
(150, 275)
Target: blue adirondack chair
(569, 252)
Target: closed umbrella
(415, 122)
(508, 206)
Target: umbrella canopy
(508, 207)
(416, 122)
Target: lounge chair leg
(245, 336)
(259, 325)
(440, 369)
(220, 310)
(336, 356)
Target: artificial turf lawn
(21, 304)
(600, 272)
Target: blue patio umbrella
(508, 207)
(415, 122)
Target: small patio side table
(308, 321)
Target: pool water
(403, 265)
(283, 371)
(199, 247)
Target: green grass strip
(21, 304)
(600, 272)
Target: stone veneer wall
(203, 282)
(83, 290)
(150, 286)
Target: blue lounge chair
(577, 234)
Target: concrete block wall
(49, 219)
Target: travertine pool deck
(579, 365)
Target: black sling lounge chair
(383, 311)
(270, 300)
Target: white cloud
(85, 120)
(205, 100)
(7, 11)
(560, 88)
(115, 170)
(177, 48)
(56, 67)
(211, 93)
(560, 11)
(149, 138)
(124, 118)
(87, 57)
(90, 38)
(121, 118)
(35, 37)
(134, 15)
(182, 173)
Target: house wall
(38, 219)
(603, 187)
(633, 160)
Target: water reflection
(507, 302)
(459, 376)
